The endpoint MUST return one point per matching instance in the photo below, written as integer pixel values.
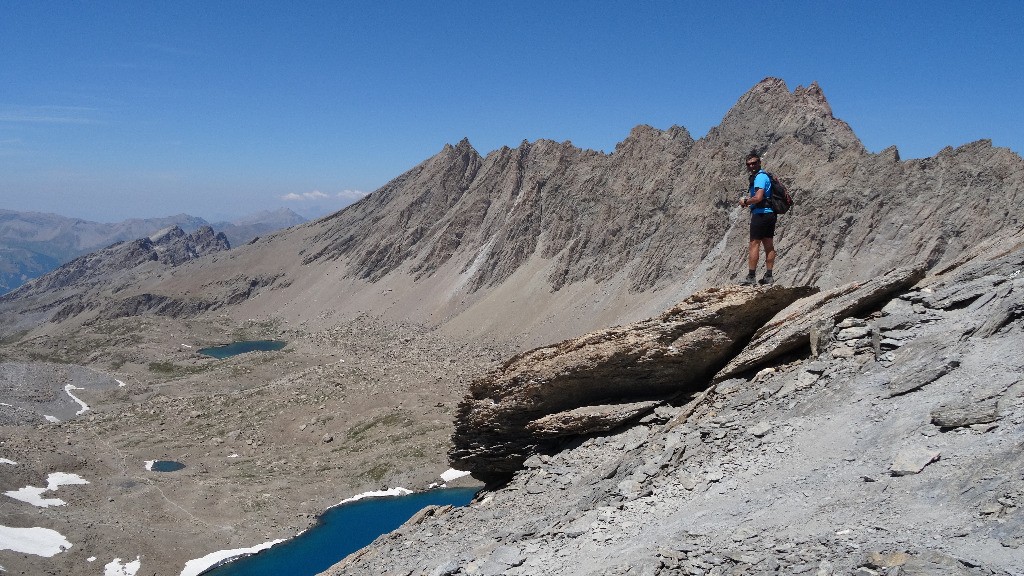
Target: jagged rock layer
(792, 328)
(555, 391)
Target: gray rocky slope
(894, 448)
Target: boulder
(594, 383)
(966, 413)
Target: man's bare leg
(754, 254)
(769, 253)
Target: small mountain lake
(241, 347)
(164, 466)
(339, 532)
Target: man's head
(753, 162)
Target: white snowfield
(200, 565)
(85, 407)
(377, 494)
(44, 541)
(36, 541)
(115, 568)
(452, 474)
(34, 495)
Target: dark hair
(753, 154)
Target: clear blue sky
(112, 110)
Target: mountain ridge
(643, 226)
(34, 243)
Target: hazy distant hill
(245, 229)
(34, 243)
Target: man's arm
(755, 199)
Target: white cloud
(314, 195)
(344, 195)
(352, 195)
(49, 115)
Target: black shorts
(762, 225)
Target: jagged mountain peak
(167, 234)
(769, 117)
(645, 136)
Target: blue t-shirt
(761, 181)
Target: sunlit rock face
(592, 383)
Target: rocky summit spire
(769, 116)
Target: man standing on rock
(762, 221)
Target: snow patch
(149, 465)
(85, 407)
(452, 474)
(6, 461)
(34, 495)
(200, 565)
(52, 419)
(36, 541)
(377, 494)
(115, 568)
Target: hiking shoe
(766, 281)
(748, 281)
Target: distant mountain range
(34, 243)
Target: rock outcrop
(593, 383)
(792, 328)
(661, 207)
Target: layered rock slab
(792, 328)
(582, 386)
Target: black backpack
(780, 201)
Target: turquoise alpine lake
(241, 347)
(339, 532)
(166, 466)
